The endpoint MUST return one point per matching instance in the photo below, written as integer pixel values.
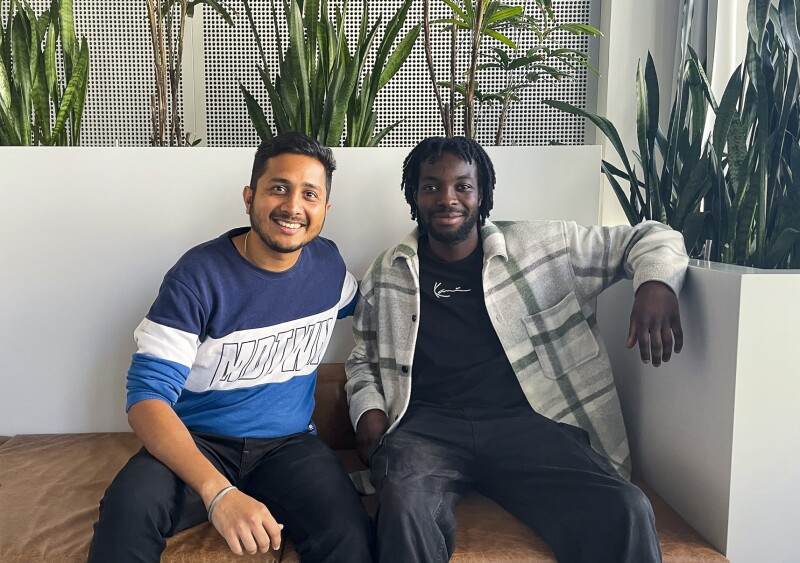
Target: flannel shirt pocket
(561, 337)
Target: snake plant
(41, 97)
(322, 88)
(739, 185)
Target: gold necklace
(245, 246)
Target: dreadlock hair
(294, 143)
(429, 150)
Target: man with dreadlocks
(479, 364)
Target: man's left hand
(655, 323)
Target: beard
(453, 236)
(277, 246)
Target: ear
(247, 196)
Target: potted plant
(44, 70)
(321, 87)
(734, 384)
(736, 187)
(502, 26)
(163, 16)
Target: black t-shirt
(458, 360)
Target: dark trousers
(543, 472)
(297, 477)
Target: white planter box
(716, 430)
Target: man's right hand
(246, 524)
(371, 427)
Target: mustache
(288, 218)
(450, 209)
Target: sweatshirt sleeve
(167, 341)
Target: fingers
(273, 530)
(677, 332)
(247, 525)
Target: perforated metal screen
(121, 78)
(231, 56)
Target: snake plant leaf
(399, 56)
(66, 22)
(630, 210)
(757, 13)
(256, 114)
(298, 64)
(80, 95)
(787, 12)
(378, 137)
(72, 92)
(644, 127)
(282, 122)
(783, 245)
(727, 108)
(5, 89)
(605, 126)
(338, 100)
(693, 189)
(20, 49)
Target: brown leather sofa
(50, 486)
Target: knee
(631, 506)
(399, 506)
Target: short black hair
(294, 143)
(429, 150)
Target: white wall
(715, 430)
(86, 236)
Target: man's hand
(246, 524)
(655, 323)
(371, 427)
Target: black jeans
(297, 477)
(543, 472)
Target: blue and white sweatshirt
(234, 348)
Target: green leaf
(399, 56)
(501, 38)
(787, 10)
(71, 93)
(214, 5)
(631, 212)
(781, 248)
(757, 11)
(66, 23)
(727, 108)
(80, 96)
(256, 114)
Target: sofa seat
(50, 486)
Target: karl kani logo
(441, 293)
(287, 351)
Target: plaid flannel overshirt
(540, 281)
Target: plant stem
(426, 19)
(469, 98)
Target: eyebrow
(462, 177)
(278, 180)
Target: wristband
(217, 498)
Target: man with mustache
(221, 390)
(478, 364)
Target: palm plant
(737, 187)
(40, 105)
(489, 19)
(321, 88)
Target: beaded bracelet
(217, 498)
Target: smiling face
(287, 209)
(448, 198)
